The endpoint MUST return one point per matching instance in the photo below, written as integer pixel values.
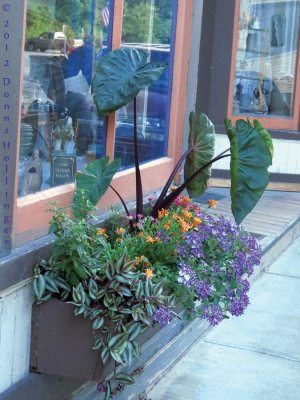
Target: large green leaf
(202, 143)
(120, 76)
(265, 136)
(94, 181)
(250, 159)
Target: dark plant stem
(172, 196)
(122, 201)
(170, 180)
(138, 180)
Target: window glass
(60, 128)
(147, 25)
(266, 58)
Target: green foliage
(136, 21)
(76, 14)
(93, 182)
(202, 145)
(103, 284)
(120, 76)
(251, 155)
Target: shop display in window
(59, 122)
(266, 58)
(149, 26)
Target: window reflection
(147, 25)
(60, 128)
(266, 58)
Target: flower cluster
(163, 316)
(201, 258)
(215, 259)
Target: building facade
(236, 58)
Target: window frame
(30, 220)
(277, 123)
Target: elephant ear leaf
(202, 144)
(119, 77)
(250, 159)
(265, 136)
(94, 181)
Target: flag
(105, 16)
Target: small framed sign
(63, 168)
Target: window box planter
(62, 343)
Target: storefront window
(60, 128)
(147, 25)
(266, 58)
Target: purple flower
(163, 237)
(203, 289)
(213, 313)
(163, 316)
(215, 267)
(238, 306)
(186, 275)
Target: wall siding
(15, 326)
(285, 160)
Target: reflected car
(46, 41)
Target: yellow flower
(101, 231)
(120, 230)
(150, 239)
(197, 221)
(149, 273)
(140, 234)
(212, 203)
(163, 213)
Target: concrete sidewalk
(252, 357)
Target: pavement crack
(253, 350)
(285, 275)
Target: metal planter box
(61, 343)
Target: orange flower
(187, 215)
(212, 203)
(120, 230)
(185, 200)
(163, 213)
(119, 240)
(197, 221)
(150, 239)
(149, 273)
(158, 239)
(140, 234)
(101, 231)
(167, 225)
